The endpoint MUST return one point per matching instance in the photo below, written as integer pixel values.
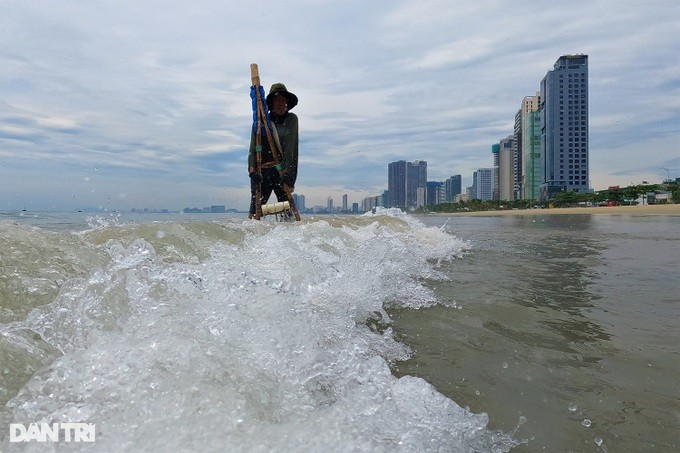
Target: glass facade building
(452, 187)
(396, 184)
(564, 126)
(407, 184)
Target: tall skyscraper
(452, 187)
(482, 184)
(299, 201)
(532, 158)
(435, 193)
(495, 151)
(403, 181)
(517, 156)
(506, 169)
(396, 184)
(344, 202)
(416, 178)
(564, 126)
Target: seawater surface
(222, 334)
(564, 329)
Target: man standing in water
(280, 102)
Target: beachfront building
(370, 203)
(452, 187)
(517, 157)
(530, 148)
(495, 152)
(396, 184)
(482, 184)
(299, 201)
(505, 172)
(416, 185)
(564, 127)
(435, 193)
(407, 184)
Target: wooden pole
(261, 119)
(255, 78)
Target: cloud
(143, 96)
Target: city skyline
(547, 153)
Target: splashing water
(254, 336)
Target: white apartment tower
(506, 168)
(482, 184)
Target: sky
(120, 104)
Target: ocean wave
(251, 336)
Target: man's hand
(255, 177)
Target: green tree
(674, 189)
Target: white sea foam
(248, 336)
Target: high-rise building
(564, 126)
(532, 157)
(452, 187)
(421, 197)
(435, 193)
(517, 156)
(403, 181)
(495, 151)
(482, 184)
(470, 191)
(344, 202)
(416, 178)
(396, 184)
(370, 203)
(506, 169)
(299, 201)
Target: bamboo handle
(255, 78)
(254, 74)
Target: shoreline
(657, 209)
